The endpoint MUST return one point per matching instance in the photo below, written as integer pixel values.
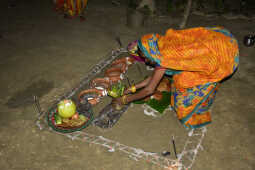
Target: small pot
(135, 18)
(249, 40)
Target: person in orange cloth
(197, 59)
(71, 7)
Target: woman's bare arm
(139, 85)
(143, 83)
(150, 87)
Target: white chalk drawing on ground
(185, 159)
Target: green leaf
(159, 106)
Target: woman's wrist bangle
(133, 89)
(124, 99)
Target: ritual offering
(117, 90)
(92, 95)
(109, 82)
(68, 118)
(66, 108)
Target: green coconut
(66, 108)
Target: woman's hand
(140, 85)
(131, 89)
(127, 91)
(150, 87)
(151, 82)
(117, 101)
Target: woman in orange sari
(71, 8)
(197, 59)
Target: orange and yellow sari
(198, 59)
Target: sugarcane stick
(38, 108)
(175, 153)
(186, 14)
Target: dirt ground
(44, 54)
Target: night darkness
(46, 52)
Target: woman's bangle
(133, 89)
(124, 99)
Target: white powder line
(134, 153)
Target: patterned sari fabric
(198, 59)
(193, 105)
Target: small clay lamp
(249, 40)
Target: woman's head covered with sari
(144, 47)
(133, 51)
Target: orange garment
(71, 7)
(198, 58)
(202, 54)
